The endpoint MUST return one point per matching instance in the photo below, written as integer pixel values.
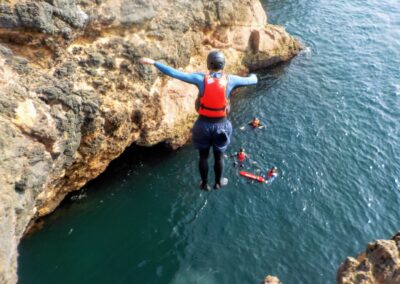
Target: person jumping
(212, 127)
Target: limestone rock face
(73, 97)
(379, 264)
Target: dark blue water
(333, 128)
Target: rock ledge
(379, 264)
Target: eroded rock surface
(379, 264)
(72, 96)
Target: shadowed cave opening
(134, 156)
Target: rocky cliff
(72, 96)
(379, 264)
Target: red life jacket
(241, 156)
(214, 103)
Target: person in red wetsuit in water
(240, 158)
(272, 173)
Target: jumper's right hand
(145, 60)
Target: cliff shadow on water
(129, 162)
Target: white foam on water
(397, 90)
(307, 50)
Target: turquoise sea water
(333, 128)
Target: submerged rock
(379, 264)
(72, 96)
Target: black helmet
(215, 60)
(241, 150)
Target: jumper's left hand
(146, 60)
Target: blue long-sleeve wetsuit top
(198, 78)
